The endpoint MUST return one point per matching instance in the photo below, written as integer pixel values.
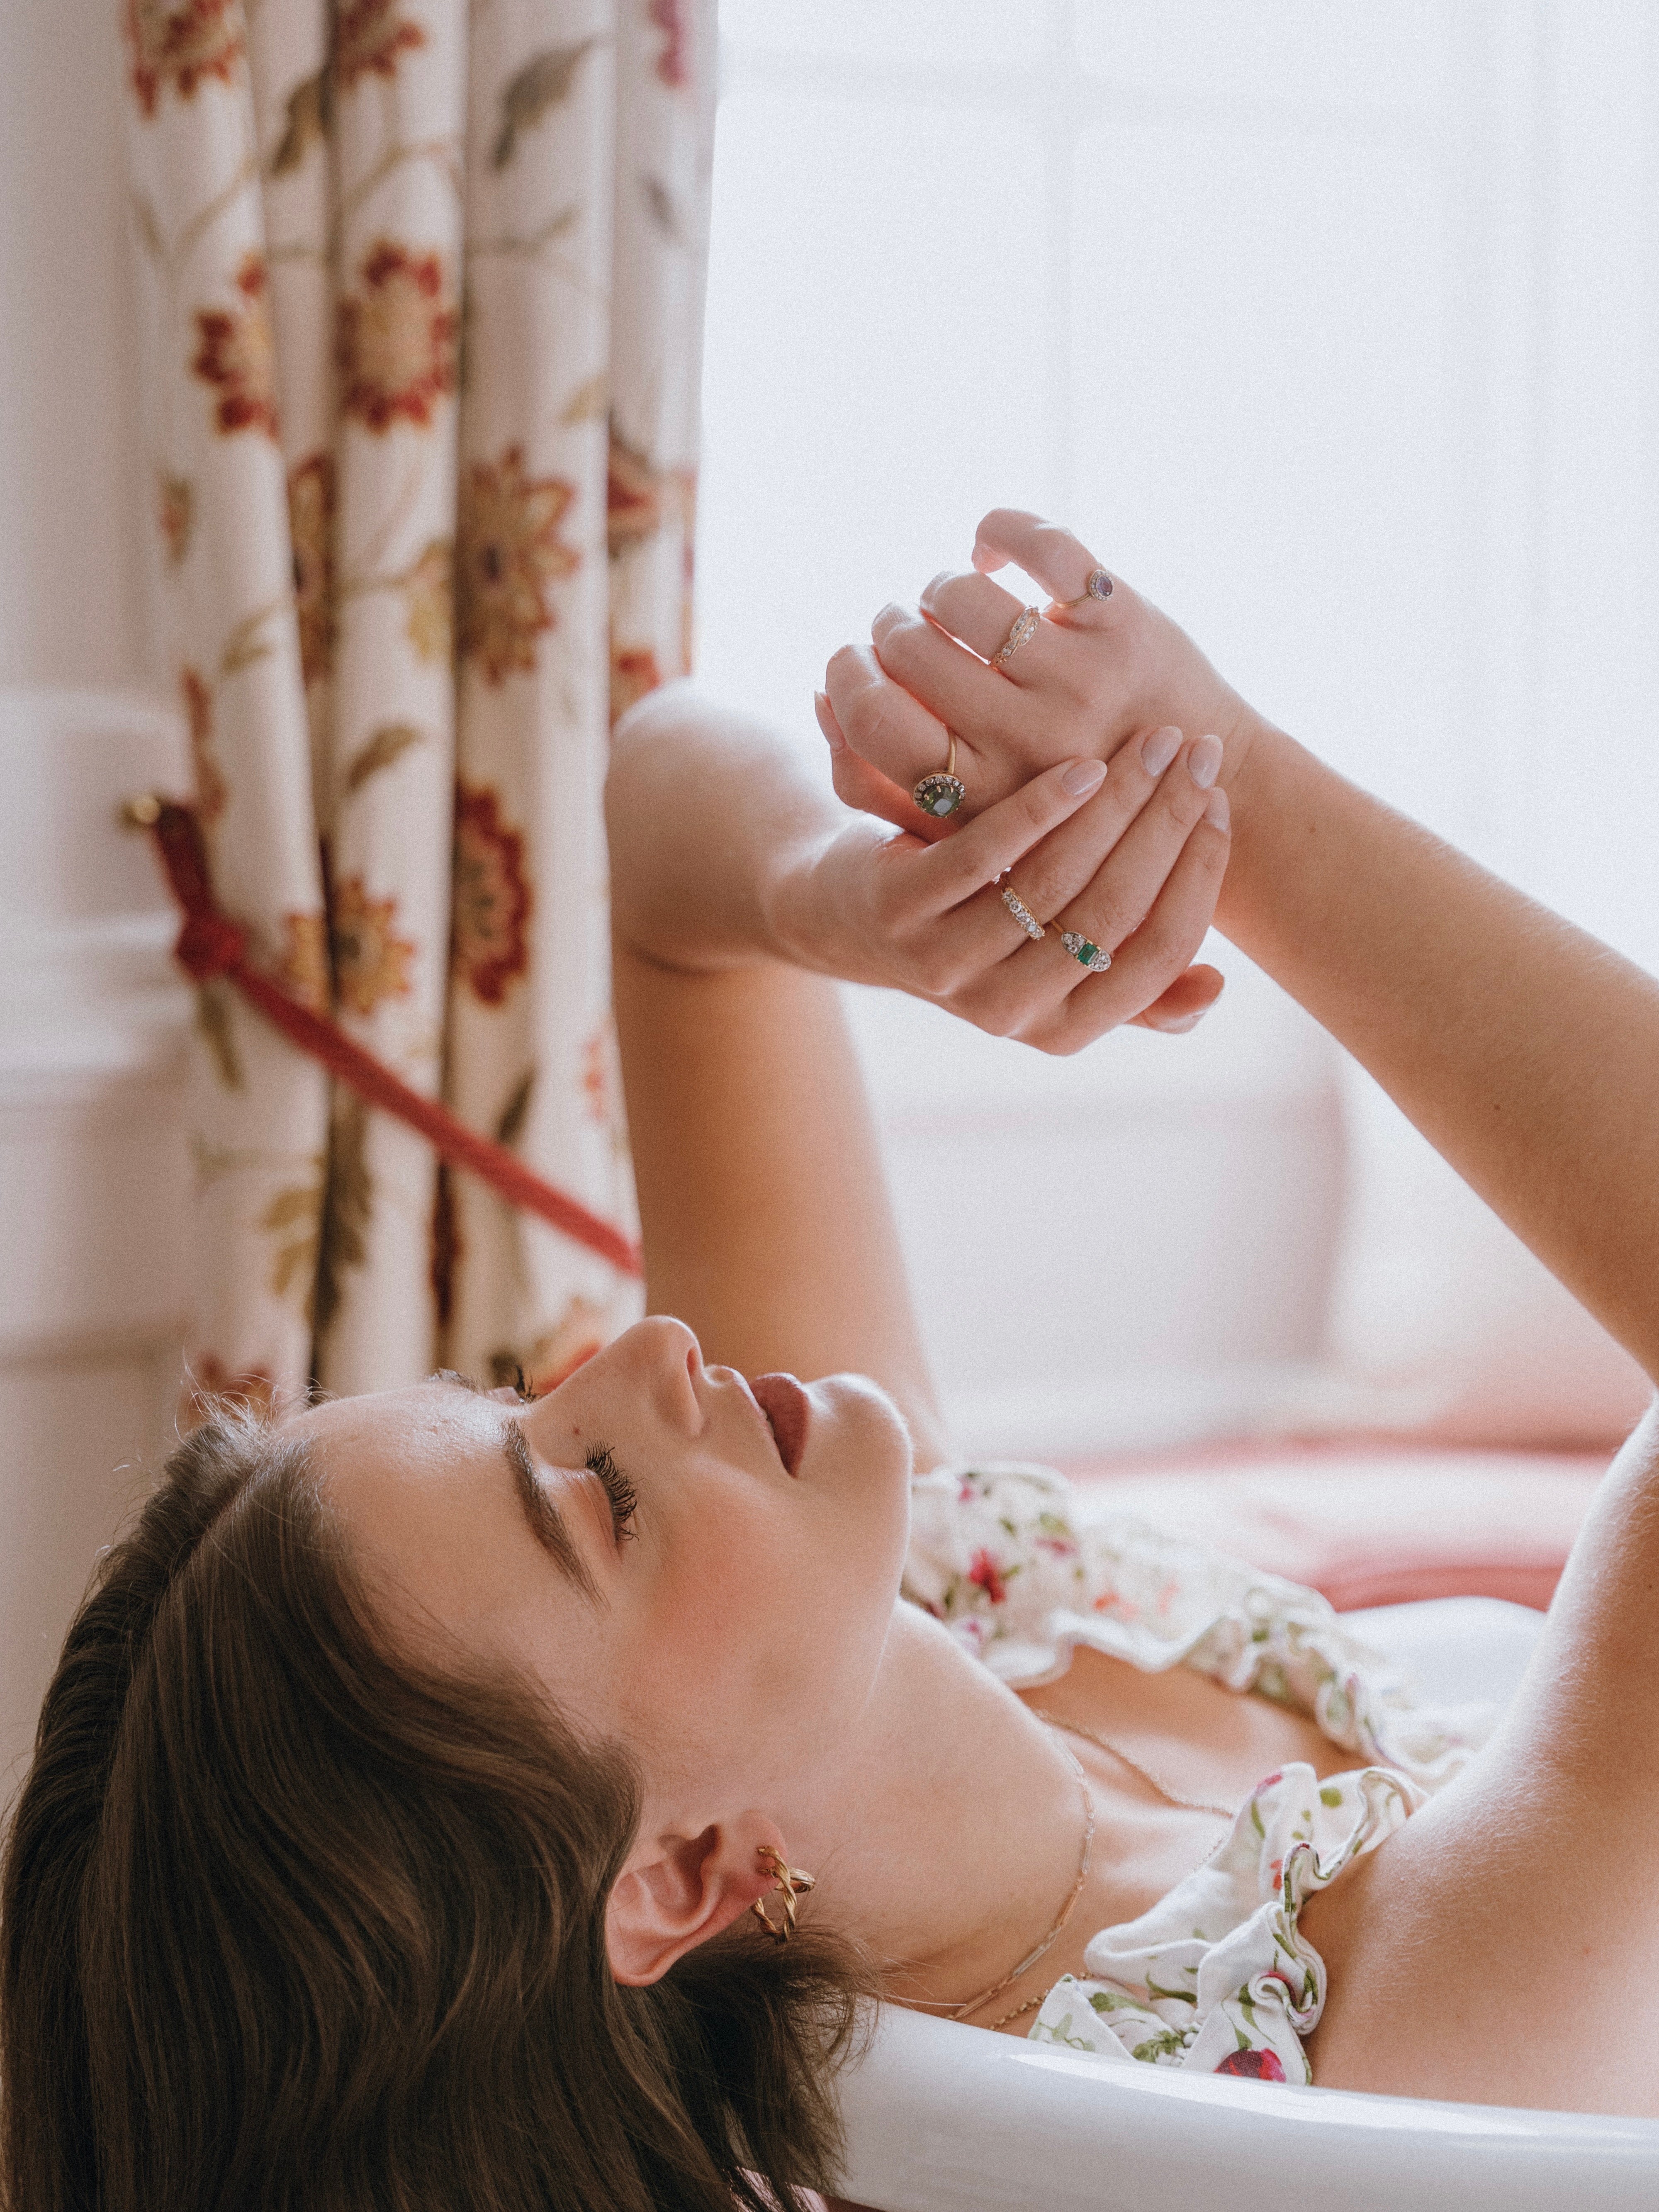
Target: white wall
(74, 480)
(1331, 327)
(92, 1166)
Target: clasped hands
(1097, 760)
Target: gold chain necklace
(973, 2004)
(1170, 1796)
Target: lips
(786, 1405)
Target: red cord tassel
(211, 945)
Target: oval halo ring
(1098, 587)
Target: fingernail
(1082, 777)
(1157, 750)
(826, 723)
(1204, 761)
(1218, 813)
(1187, 1022)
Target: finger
(1184, 1004)
(859, 785)
(978, 702)
(1037, 1000)
(1160, 950)
(994, 842)
(1053, 870)
(889, 727)
(1065, 864)
(1122, 894)
(1052, 557)
(983, 616)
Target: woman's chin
(858, 1456)
(854, 1404)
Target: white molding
(90, 1002)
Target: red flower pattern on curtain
(385, 581)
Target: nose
(672, 1360)
(657, 1359)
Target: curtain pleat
(422, 302)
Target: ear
(677, 1890)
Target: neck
(948, 1836)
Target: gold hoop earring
(790, 1882)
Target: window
(1333, 328)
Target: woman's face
(638, 1541)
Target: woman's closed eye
(624, 1502)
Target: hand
(1091, 675)
(1131, 860)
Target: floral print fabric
(420, 287)
(1216, 1975)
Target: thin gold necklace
(1171, 1796)
(973, 2004)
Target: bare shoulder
(1503, 1946)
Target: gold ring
(1025, 626)
(1099, 587)
(943, 792)
(1084, 949)
(1022, 913)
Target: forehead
(404, 1428)
(410, 1472)
(417, 1480)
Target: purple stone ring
(1099, 587)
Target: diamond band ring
(943, 792)
(1022, 913)
(1084, 949)
(1024, 625)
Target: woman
(406, 1793)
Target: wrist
(1264, 772)
(788, 904)
(708, 815)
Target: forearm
(1527, 1052)
(708, 814)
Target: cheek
(769, 1611)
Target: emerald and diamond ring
(1086, 951)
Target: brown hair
(285, 1924)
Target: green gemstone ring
(940, 795)
(943, 792)
(1085, 952)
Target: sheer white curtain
(1334, 329)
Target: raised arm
(1525, 1050)
(766, 1220)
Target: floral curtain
(422, 294)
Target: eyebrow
(546, 1523)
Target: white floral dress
(1216, 1975)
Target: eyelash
(624, 1503)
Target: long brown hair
(287, 1923)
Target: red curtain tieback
(211, 945)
